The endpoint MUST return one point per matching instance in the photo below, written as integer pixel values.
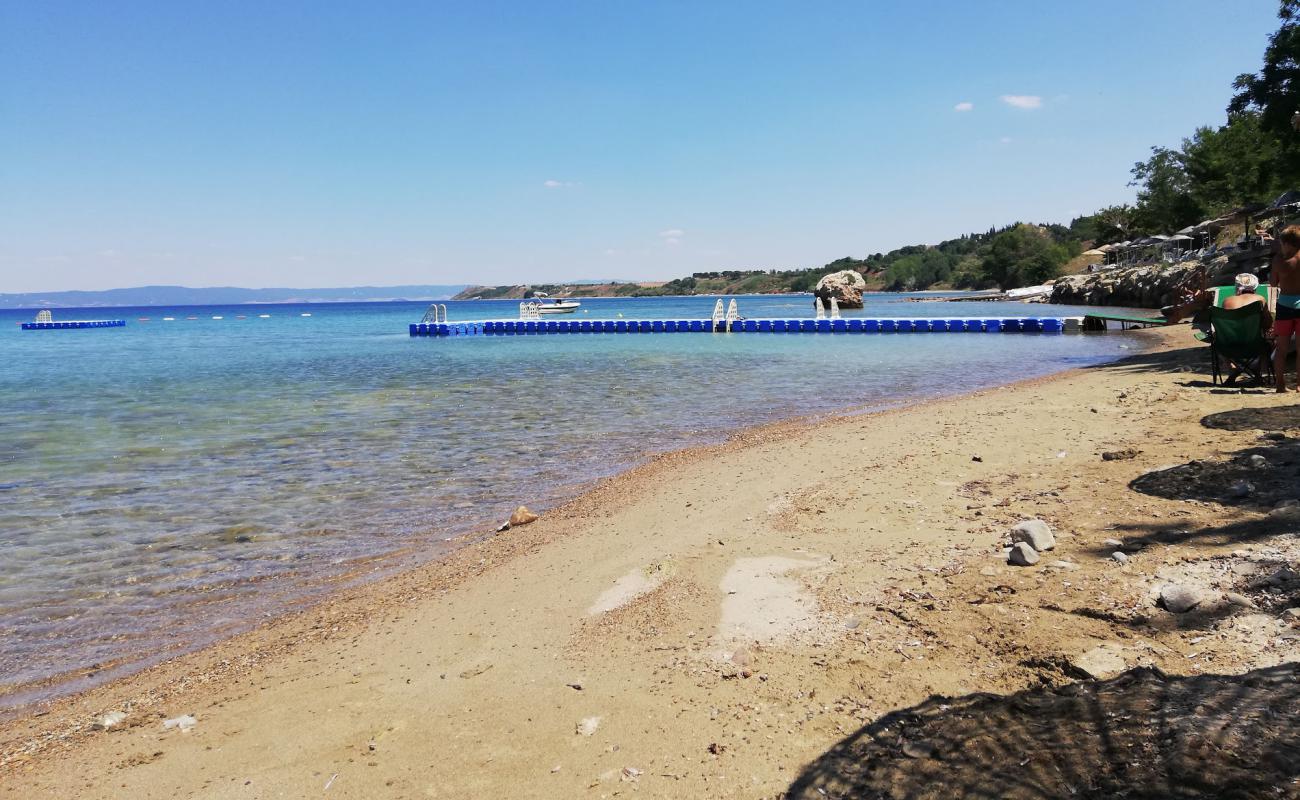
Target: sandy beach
(812, 609)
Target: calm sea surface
(174, 480)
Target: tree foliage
(1275, 89)
(1024, 256)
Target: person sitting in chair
(1246, 284)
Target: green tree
(1164, 202)
(1275, 89)
(1023, 256)
(1114, 223)
(1239, 163)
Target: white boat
(549, 306)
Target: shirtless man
(1285, 275)
(1245, 285)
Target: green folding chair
(1222, 293)
(1237, 338)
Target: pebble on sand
(1180, 599)
(522, 516)
(588, 726)
(1034, 532)
(110, 720)
(1239, 600)
(1119, 556)
(1022, 555)
(1101, 662)
(1241, 489)
(183, 723)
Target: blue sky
(324, 144)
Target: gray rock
(1241, 489)
(1238, 599)
(1257, 461)
(1101, 662)
(1065, 565)
(1022, 555)
(1285, 514)
(110, 720)
(1291, 615)
(1180, 599)
(1114, 544)
(1120, 557)
(1034, 532)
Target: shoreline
(364, 570)
(207, 680)
(352, 589)
(347, 586)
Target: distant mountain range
(223, 295)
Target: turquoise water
(172, 480)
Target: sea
(208, 467)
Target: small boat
(550, 306)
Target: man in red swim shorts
(1285, 275)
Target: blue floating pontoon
(73, 324)
(836, 325)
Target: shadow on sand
(1141, 735)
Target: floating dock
(74, 323)
(512, 327)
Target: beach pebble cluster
(1029, 538)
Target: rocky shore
(1149, 285)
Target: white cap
(1246, 283)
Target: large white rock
(845, 286)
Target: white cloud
(964, 107)
(554, 184)
(1024, 101)
(1005, 140)
(672, 237)
(609, 251)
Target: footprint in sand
(761, 603)
(639, 581)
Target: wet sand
(716, 622)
